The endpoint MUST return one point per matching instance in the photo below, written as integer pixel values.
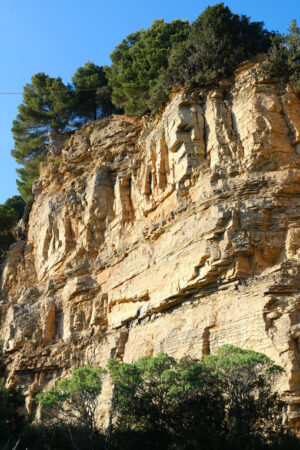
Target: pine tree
(92, 95)
(16, 203)
(137, 62)
(218, 41)
(46, 106)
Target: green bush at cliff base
(56, 437)
(161, 403)
(165, 397)
(247, 380)
(74, 400)
(225, 402)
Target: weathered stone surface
(179, 235)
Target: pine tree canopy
(137, 62)
(46, 106)
(50, 105)
(92, 95)
(16, 203)
(148, 63)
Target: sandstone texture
(175, 235)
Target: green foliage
(234, 361)
(75, 400)
(148, 63)
(177, 400)
(247, 379)
(220, 40)
(227, 400)
(16, 203)
(8, 220)
(50, 105)
(283, 61)
(45, 107)
(30, 173)
(137, 62)
(92, 95)
(6, 240)
(163, 403)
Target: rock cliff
(178, 235)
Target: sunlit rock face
(178, 234)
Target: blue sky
(58, 36)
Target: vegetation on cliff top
(146, 65)
(283, 61)
(50, 105)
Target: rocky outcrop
(178, 234)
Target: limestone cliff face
(176, 235)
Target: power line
(49, 92)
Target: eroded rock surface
(176, 235)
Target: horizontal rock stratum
(175, 235)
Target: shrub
(74, 400)
(247, 380)
(283, 60)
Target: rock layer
(178, 234)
